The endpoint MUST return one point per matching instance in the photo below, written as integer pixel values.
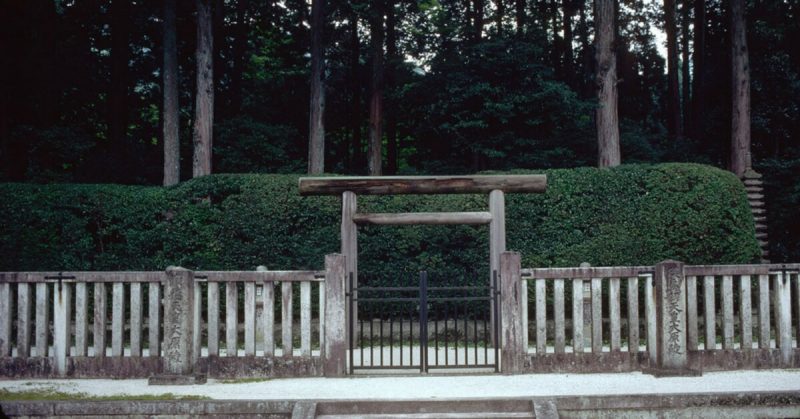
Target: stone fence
(179, 326)
(166, 325)
(666, 319)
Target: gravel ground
(433, 387)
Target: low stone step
(755, 196)
(424, 409)
(760, 220)
(756, 204)
(758, 211)
(762, 244)
(753, 182)
(460, 415)
(762, 236)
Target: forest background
(460, 86)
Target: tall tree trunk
(500, 11)
(740, 66)
(220, 58)
(391, 70)
(569, 67)
(239, 50)
(698, 80)
(376, 91)
(316, 125)
(357, 156)
(558, 45)
(204, 99)
(120, 55)
(521, 16)
(478, 30)
(685, 75)
(170, 124)
(673, 89)
(605, 55)
(586, 52)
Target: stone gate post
(334, 349)
(511, 336)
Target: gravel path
(432, 387)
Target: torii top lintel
(406, 185)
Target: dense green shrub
(634, 214)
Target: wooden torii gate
(496, 186)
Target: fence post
(670, 295)
(511, 336)
(179, 301)
(61, 325)
(334, 349)
(783, 314)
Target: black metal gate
(423, 327)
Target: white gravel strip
(438, 387)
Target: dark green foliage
(782, 189)
(628, 215)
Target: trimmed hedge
(634, 214)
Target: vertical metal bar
(391, 339)
(350, 320)
(496, 324)
(423, 321)
(485, 335)
(380, 338)
(475, 336)
(400, 340)
(446, 330)
(361, 339)
(436, 337)
(411, 336)
(371, 339)
(466, 330)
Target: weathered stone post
(334, 350)
(179, 306)
(672, 356)
(62, 294)
(511, 336)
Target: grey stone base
(672, 372)
(176, 380)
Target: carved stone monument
(178, 328)
(672, 357)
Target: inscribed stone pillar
(178, 345)
(671, 348)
